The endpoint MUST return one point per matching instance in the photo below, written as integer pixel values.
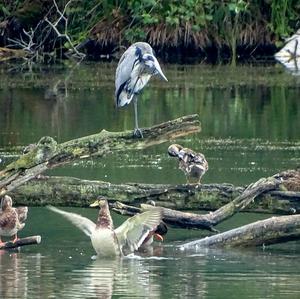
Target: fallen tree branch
(69, 191)
(207, 221)
(22, 242)
(265, 232)
(77, 192)
(48, 154)
(54, 26)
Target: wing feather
(83, 223)
(134, 230)
(124, 69)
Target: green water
(61, 266)
(250, 120)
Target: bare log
(77, 192)
(69, 191)
(48, 154)
(265, 232)
(22, 242)
(208, 221)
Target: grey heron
(136, 66)
(194, 165)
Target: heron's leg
(137, 132)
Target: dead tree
(265, 232)
(206, 221)
(70, 191)
(47, 154)
(269, 231)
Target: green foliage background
(191, 24)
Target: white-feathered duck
(110, 242)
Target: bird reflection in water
(18, 275)
(103, 278)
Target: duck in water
(110, 242)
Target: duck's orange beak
(158, 237)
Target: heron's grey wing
(124, 69)
(134, 230)
(83, 223)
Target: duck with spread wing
(110, 242)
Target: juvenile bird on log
(194, 165)
(110, 242)
(11, 219)
(135, 68)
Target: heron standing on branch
(134, 70)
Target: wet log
(287, 179)
(265, 232)
(207, 221)
(68, 191)
(47, 154)
(22, 242)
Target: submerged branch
(208, 221)
(260, 233)
(47, 154)
(69, 191)
(22, 242)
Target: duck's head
(174, 149)
(6, 202)
(104, 219)
(100, 202)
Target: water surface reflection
(250, 129)
(204, 273)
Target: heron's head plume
(153, 66)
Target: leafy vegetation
(204, 28)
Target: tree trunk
(68, 191)
(47, 154)
(260, 233)
(207, 221)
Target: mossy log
(47, 154)
(270, 231)
(265, 232)
(22, 242)
(68, 191)
(206, 221)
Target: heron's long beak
(158, 70)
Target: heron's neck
(138, 53)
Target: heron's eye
(150, 58)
